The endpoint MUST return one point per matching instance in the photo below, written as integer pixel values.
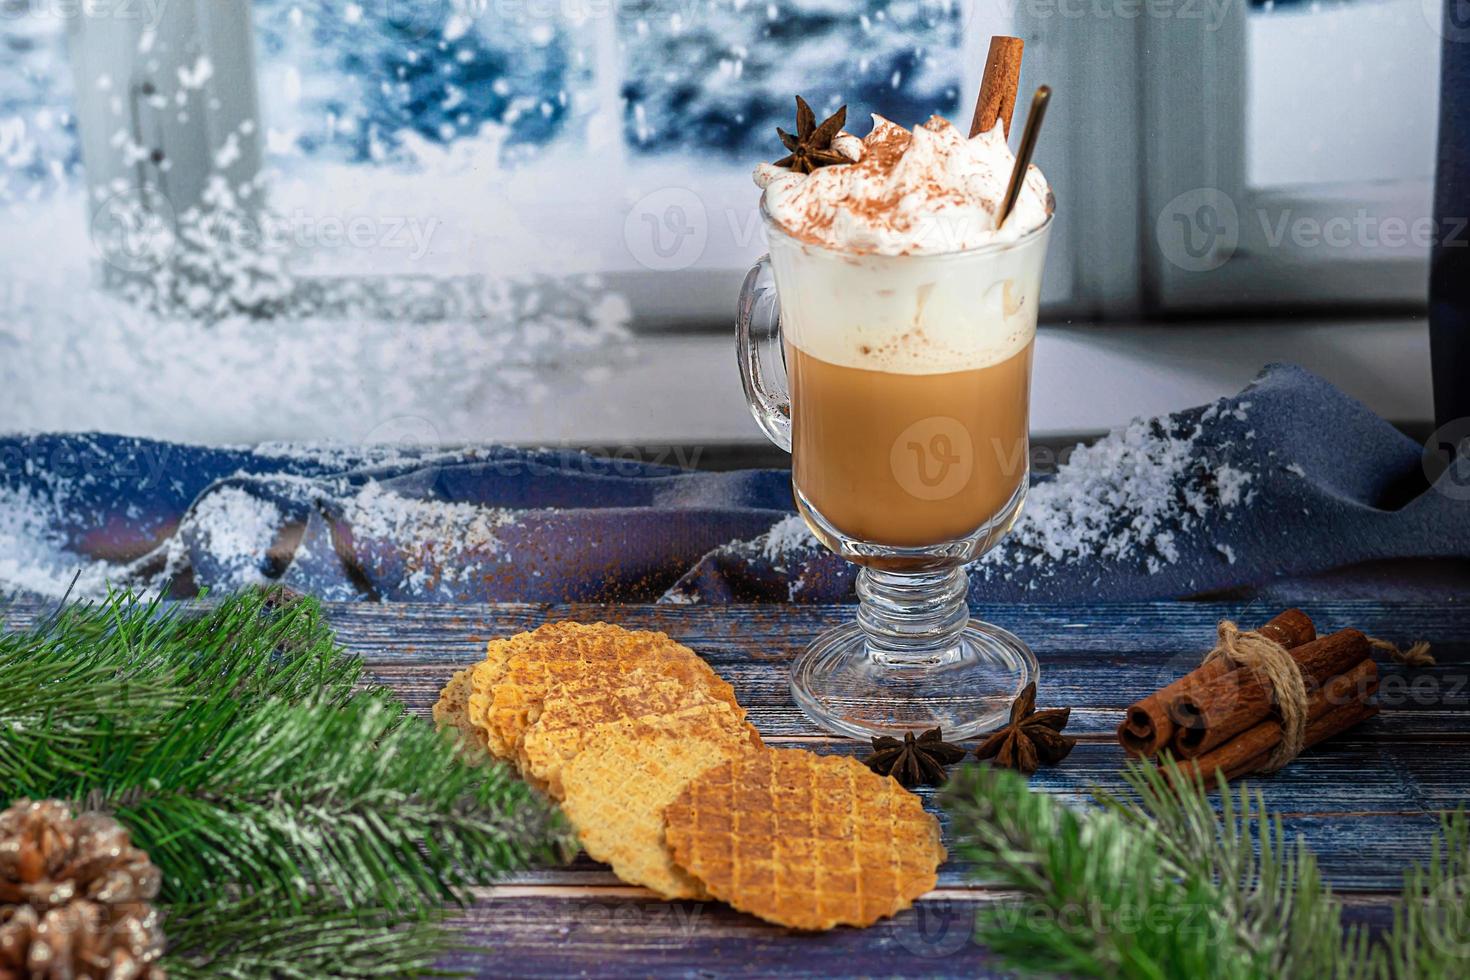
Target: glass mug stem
(913, 618)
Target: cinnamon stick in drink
(1332, 708)
(1147, 727)
(999, 85)
(1211, 714)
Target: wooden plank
(1095, 659)
(438, 632)
(595, 934)
(605, 932)
(1357, 851)
(1432, 703)
(762, 633)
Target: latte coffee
(907, 318)
(910, 383)
(908, 459)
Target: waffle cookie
(556, 655)
(451, 714)
(803, 840)
(569, 717)
(616, 789)
(484, 676)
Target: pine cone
(75, 897)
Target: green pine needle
(1163, 885)
(352, 799)
(1431, 933)
(246, 756)
(242, 940)
(1271, 890)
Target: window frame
(1194, 137)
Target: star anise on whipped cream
(811, 147)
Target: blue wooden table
(1366, 801)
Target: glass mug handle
(762, 359)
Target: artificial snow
(428, 534)
(237, 530)
(35, 559)
(785, 545)
(1127, 497)
(383, 515)
(236, 533)
(787, 538)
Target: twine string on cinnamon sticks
(1334, 707)
(1256, 651)
(1212, 714)
(1417, 655)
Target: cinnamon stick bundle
(1332, 708)
(1209, 714)
(1147, 726)
(1228, 718)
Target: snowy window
(399, 219)
(483, 139)
(1294, 154)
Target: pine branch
(1099, 898)
(239, 750)
(252, 760)
(1162, 885)
(1270, 887)
(1431, 932)
(122, 667)
(351, 800)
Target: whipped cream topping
(921, 192)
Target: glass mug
(901, 387)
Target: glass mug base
(846, 688)
(914, 659)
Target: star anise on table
(914, 761)
(811, 147)
(1031, 738)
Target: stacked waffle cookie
(663, 778)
